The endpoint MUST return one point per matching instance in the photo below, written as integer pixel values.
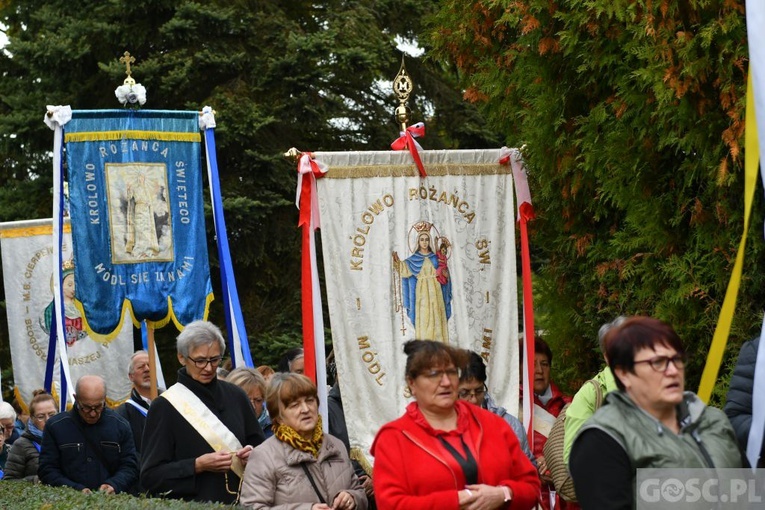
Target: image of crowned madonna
(423, 282)
(73, 320)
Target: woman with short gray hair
(200, 431)
(199, 333)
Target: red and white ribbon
(525, 213)
(307, 200)
(407, 141)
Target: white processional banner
(417, 258)
(27, 252)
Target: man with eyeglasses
(473, 389)
(135, 408)
(200, 431)
(89, 448)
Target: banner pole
(152, 360)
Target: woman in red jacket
(445, 454)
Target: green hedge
(23, 495)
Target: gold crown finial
(68, 265)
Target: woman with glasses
(444, 453)
(25, 453)
(473, 389)
(300, 467)
(200, 431)
(648, 422)
(253, 383)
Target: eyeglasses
(478, 393)
(437, 375)
(202, 362)
(41, 417)
(661, 363)
(91, 409)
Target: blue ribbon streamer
(53, 337)
(145, 336)
(228, 283)
(64, 390)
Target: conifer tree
(632, 117)
(279, 74)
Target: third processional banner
(408, 258)
(27, 250)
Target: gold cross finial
(127, 59)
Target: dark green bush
(26, 496)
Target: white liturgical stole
(204, 421)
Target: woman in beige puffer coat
(300, 467)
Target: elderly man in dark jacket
(90, 447)
(738, 403)
(136, 407)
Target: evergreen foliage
(631, 114)
(279, 74)
(21, 494)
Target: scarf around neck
(34, 431)
(290, 436)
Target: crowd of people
(255, 436)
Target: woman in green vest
(649, 422)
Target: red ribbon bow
(406, 141)
(307, 200)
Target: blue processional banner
(136, 205)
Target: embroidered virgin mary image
(139, 216)
(73, 329)
(425, 282)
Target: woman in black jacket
(738, 402)
(25, 452)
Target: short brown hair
(422, 355)
(266, 370)
(39, 396)
(286, 387)
(541, 347)
(634, 334)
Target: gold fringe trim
(436, 170)
(31, 231)
(112, 403)
(171, 315)
(107, 338)
(165, 136)
(358, 456)
(22, 404)
(127, 309)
